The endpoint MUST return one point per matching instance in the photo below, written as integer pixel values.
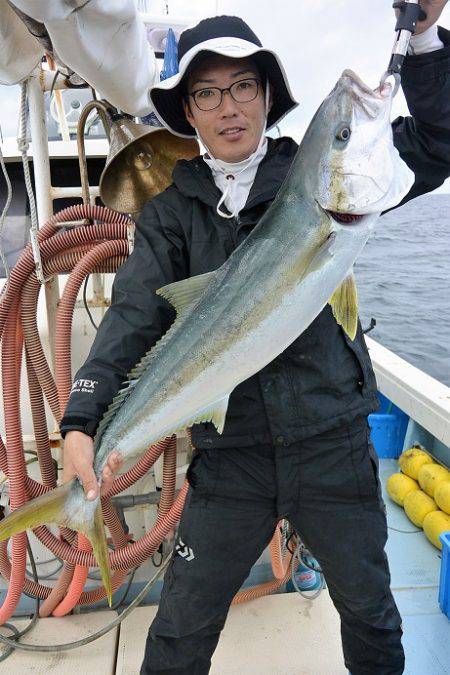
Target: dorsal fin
(344, 303)
(133, 378)
(112, 409)
(183, 294)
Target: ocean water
(403, 279)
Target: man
(296, 442)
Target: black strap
(87, 426)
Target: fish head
(347, 171)
(359, 170)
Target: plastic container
(444, 583)
(388, 428)
(306, 579)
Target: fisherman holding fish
(295, 443)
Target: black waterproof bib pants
(328, 488)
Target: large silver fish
(233, 321)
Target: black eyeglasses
(242, 91)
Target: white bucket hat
(229, 36)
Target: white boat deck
(282, 634)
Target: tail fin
(65, 505)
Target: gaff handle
(405, 27)
(410, 13)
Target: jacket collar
(194, 177)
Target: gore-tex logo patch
(84, 386)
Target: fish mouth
(345, 218)
(341, 218)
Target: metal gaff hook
(384, 80)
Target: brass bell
(140, 162)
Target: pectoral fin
(344, 303)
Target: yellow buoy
(442, 496)
(411, 460)
(430, 475)
(434, 524)
(417, 505)
(398, 486)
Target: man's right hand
(78, 461)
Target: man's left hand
(433, 9)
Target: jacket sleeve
(423, 140)
(136, 319)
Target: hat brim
(167, 95)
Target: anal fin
(215, 413)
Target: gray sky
(315, 39)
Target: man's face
(231, 131)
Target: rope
(23, 145)
(21, 646)
(4, 213)
(299, 557)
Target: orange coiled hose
(84, 264)
(262, 589)
(61, 262)
(64, 317)
(77, 582)
(169, 478)
(45, 459)
(33, 484)
(280, 564)
(10, 457)
(11, 347)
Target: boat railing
(422, 397)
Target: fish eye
(343, 134)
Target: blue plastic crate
(388, 428)
(444, 583)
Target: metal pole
(42, 182)
(71, 192)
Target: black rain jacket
(323, 379)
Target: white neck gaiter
(235, 180)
